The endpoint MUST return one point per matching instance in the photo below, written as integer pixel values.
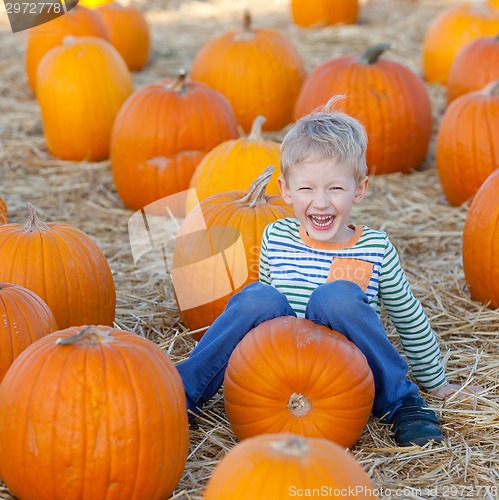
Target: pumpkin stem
(256, 193)
(247, 20)
(256, 129)
(373, 53)
(299, 405)
(247, 32)
(491, 89)
(295, 446)
(88, 336)
(479, 7)
(179, 84)
(33, 223)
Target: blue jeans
(339, 305)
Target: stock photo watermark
(28, 14)
(210, 262)
(430, 492)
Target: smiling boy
(321, 267)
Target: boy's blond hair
(326, 134)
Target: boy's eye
(304, 189)
(337, 188)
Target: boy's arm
(264, 268)
(407, 315)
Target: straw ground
(411, 208)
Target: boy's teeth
(322, 220)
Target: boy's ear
(361, 190)
(285, 191)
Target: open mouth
(322, 221)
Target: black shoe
(414, 423)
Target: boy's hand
(449, 389)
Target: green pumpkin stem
(373, 53)
(179, 84)
(256, 193)
(88, 336)
(34, 223)
(256, 129)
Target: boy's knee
(259, 299)
(341, 294)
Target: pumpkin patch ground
(411, 208)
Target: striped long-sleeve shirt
(295, 264)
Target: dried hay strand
(411, 208)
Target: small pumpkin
(25, 319)
(63, 266)
(313, 13)
(100, 413)
(481, 243)
(234, 164)
(467, 143)
(217, 250)
(259, 71)
(317, 383)
(453, 28)
(161, 134)
(81, 85)
(475, 65)
(388, 98)
(79, 21)
(274, 466)
(128, 32)
(3, 211)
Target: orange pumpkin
(453, 28)
(63, 266)
(100, 413)
(307, 13)
(475, 65)
(388, 98)
(259, 71)
(3, 211)
(234, 164)
(481, 243)
(128, 32)
(218, 245)
(274, 466)
(162, 133)
(79, 21)
(25, 318)
(317, 383)
(81, 85)
(467, 144)
(494, 3)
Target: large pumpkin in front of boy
(388, 98)
(291, 375)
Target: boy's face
(322, 194)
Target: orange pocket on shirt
(355, 270)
